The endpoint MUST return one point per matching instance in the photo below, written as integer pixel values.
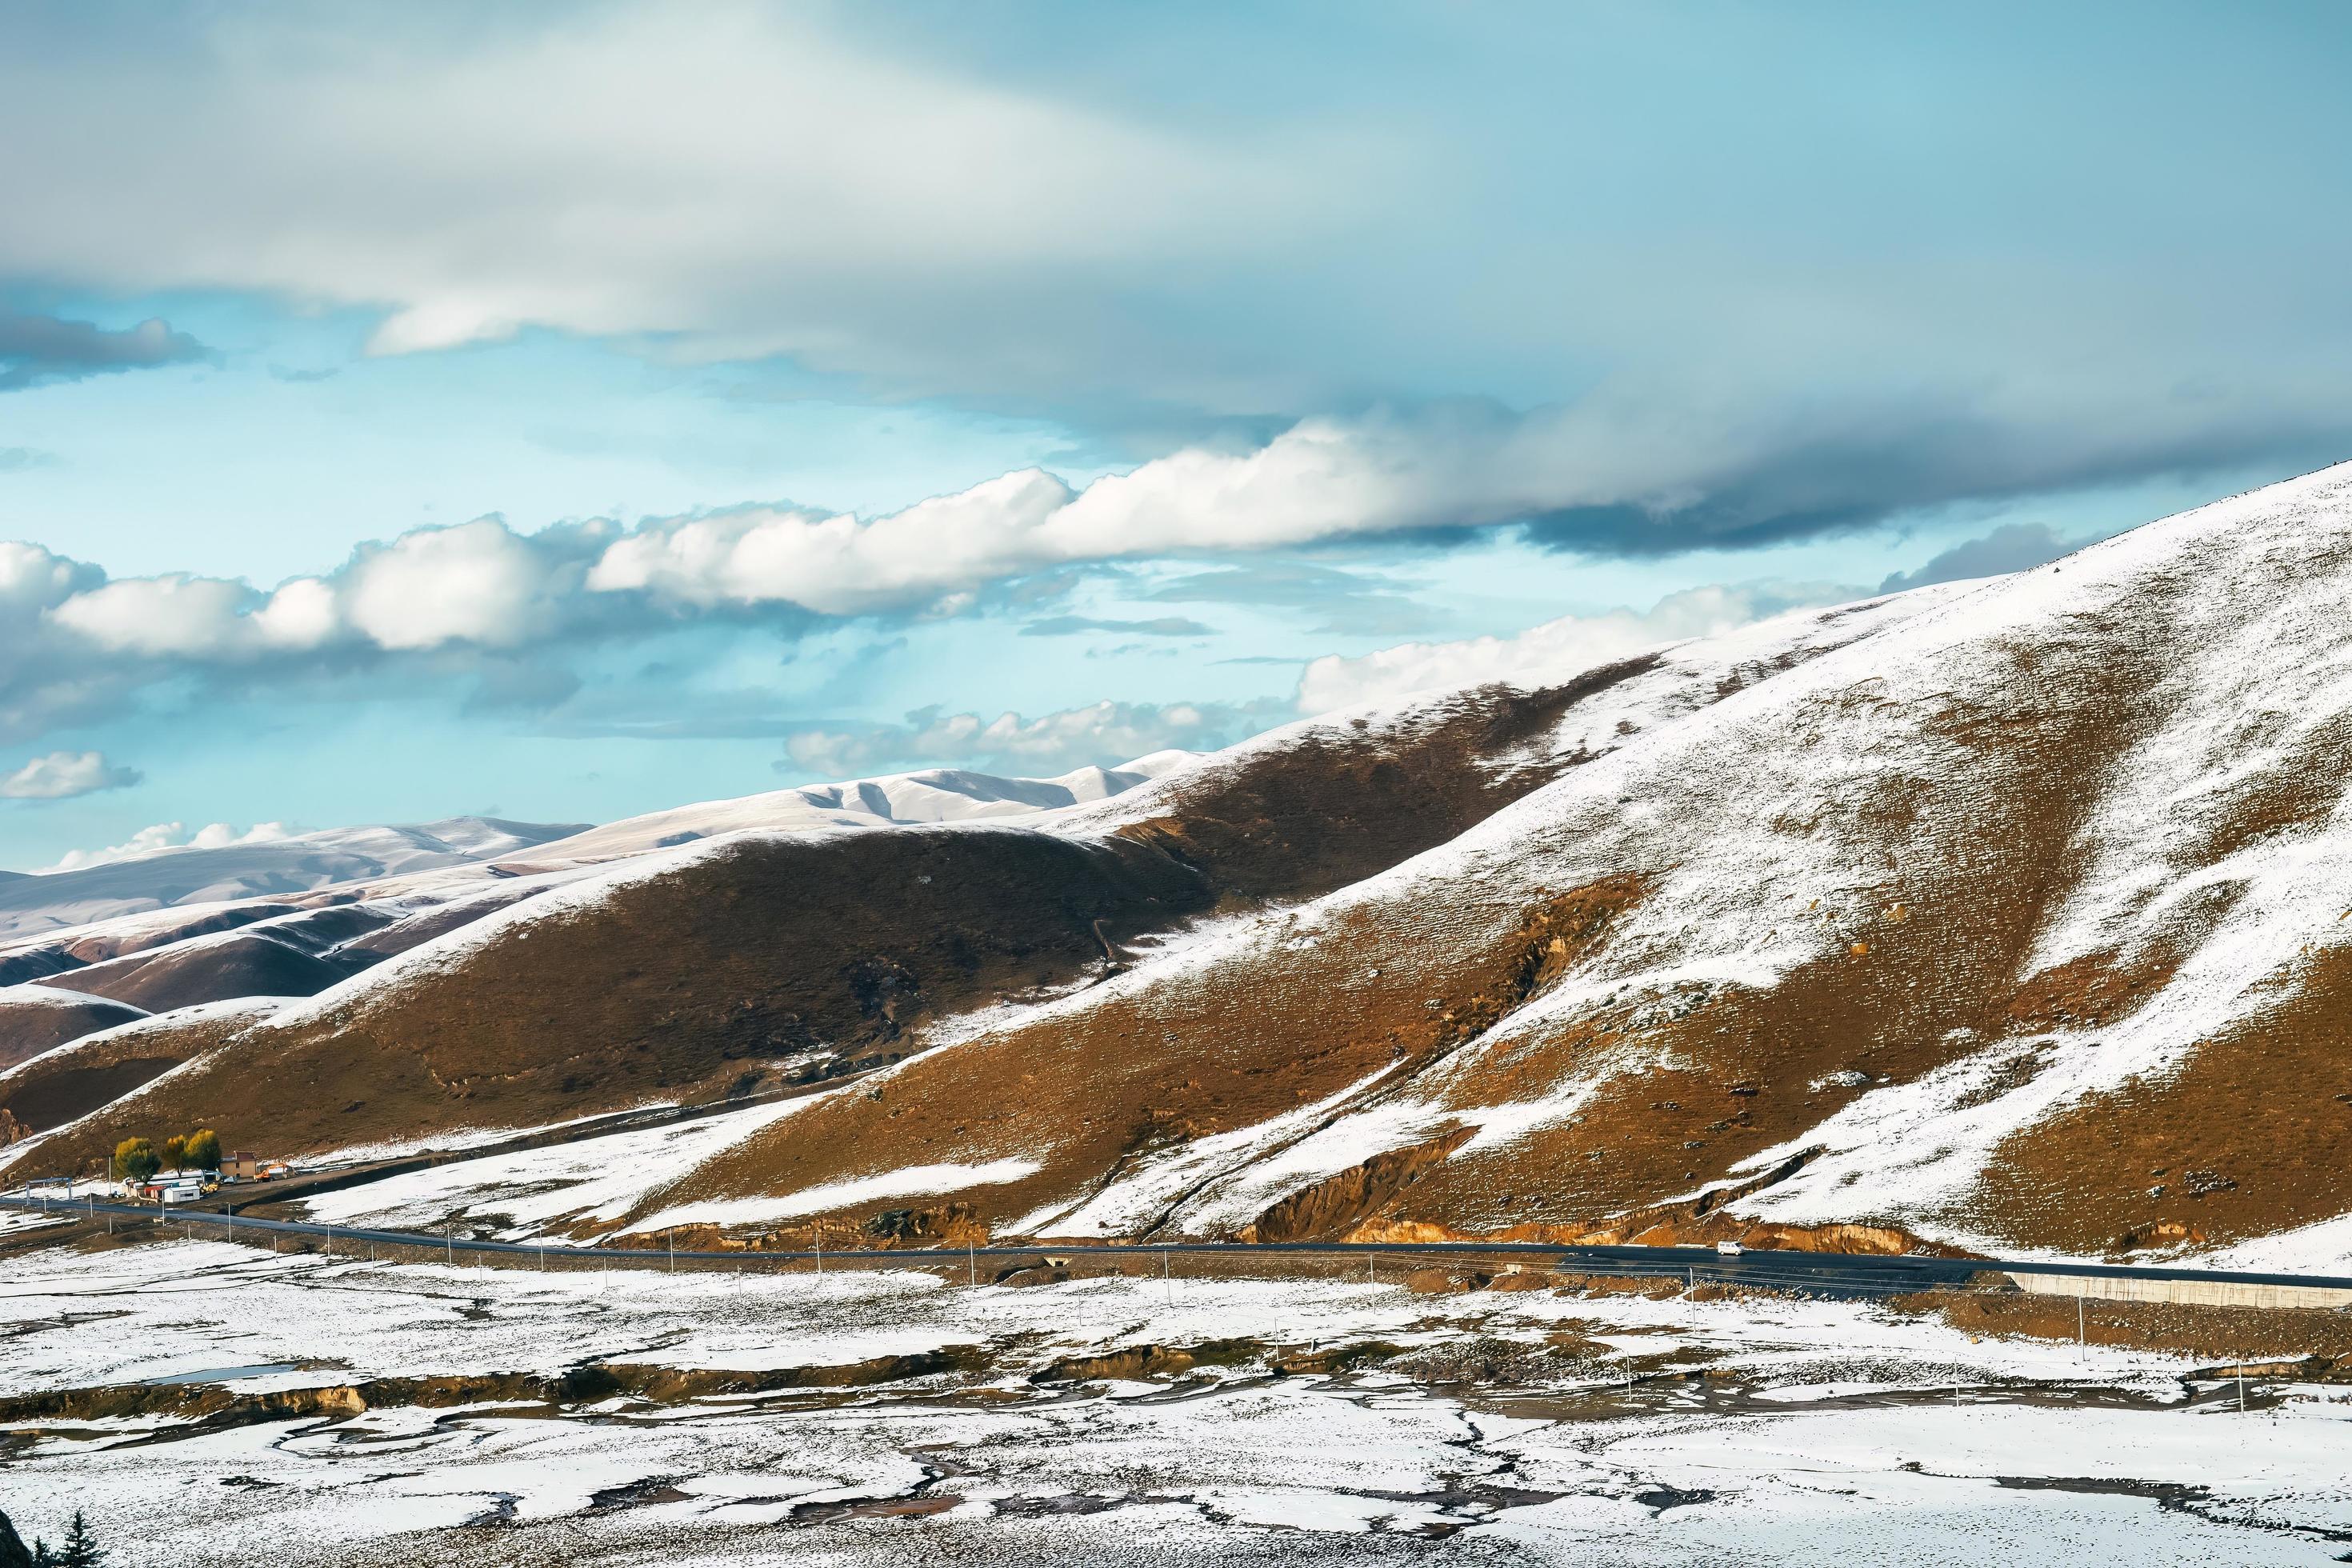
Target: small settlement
(186, 1186)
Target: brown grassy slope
(1935, 818)
(1938, 979)
(687, 986)
(246, 963)
(1104, 1084)
(1341, 802)
(1134, 1069)
(31, 1024)
(2251, 1135)
(715, 1004)
(64, 1085)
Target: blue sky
(570, 411)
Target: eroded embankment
(212, 1405)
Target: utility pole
(670, 1238)
(2082, 1337)
(971, 1264)
(820, 1248)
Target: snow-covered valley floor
(1487, 1426)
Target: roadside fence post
(669, 1239)
(971, 1264)
(2082, 1337)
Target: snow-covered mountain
(936, 795)
(2009, 913)
(303, 863)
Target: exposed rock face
(1337, 1204)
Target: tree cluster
(136, 1159)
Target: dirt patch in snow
(2233, 1333)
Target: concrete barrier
(2189, 1292)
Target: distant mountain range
(167, 878)
(84, 951)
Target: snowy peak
(935, 795)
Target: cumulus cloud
(2013, 547)
(38, 349)
(483, 589)
(61, 775)
(1103, 734)
(1556, 649)
(169, 836)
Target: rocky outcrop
(1337, 1204)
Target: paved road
(1831, 1273)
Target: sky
(565, 411)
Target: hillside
(753, 961)
(2005, 913)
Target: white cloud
(1104, 733)
(61, 775)
(176, 614)
(739, 175)
(838, 565)
(163, 836)
(482, 585)
(1556, 649)
(478, 583)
